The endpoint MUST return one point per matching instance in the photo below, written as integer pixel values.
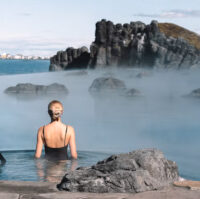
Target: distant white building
(18, 56)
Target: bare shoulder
(70, 129)
(40, 130)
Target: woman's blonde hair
(57, 113)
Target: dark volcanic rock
(32, 89)
(140, 45)
(138, 171)
(134, 45)
(107, 84)
(70, 59)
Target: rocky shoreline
(119, 176)
(155, 45)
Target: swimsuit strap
(43, 136)
(65, 135)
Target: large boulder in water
(137, 171)
(103, 84)
(33, 89)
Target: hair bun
(57, 113)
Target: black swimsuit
(56, 153)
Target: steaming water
(162, 118)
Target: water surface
(22, 166)
(162, 118)
(23, 66)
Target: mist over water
(161, 118)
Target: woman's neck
(55, 120)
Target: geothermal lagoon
(108, 123)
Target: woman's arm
(39, 145)
(72, 144)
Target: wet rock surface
(137, 171)
(33, 89)
(133, 44)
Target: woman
(56, 136)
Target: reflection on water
(54, 171)
(22, 166)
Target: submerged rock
(103, 84)
(137, 171)
(33, 89)
(195, 93)
(132, 92)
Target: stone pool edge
(47, 190)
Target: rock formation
(110, 85)
(136, 44)
(103, 84)
(70, 59)
(32, 89)
(137, 171)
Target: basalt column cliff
(160, 45)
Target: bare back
(56, 135)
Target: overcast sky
(42, 27)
